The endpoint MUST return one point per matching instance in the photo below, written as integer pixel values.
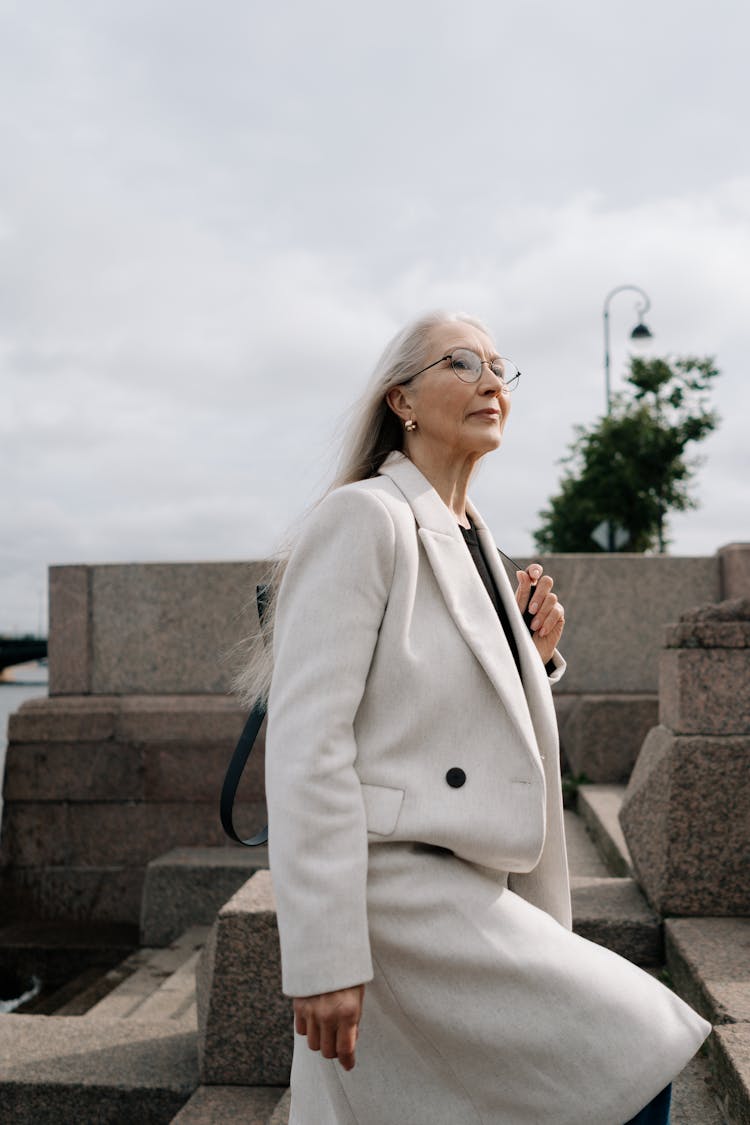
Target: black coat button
(455, 777)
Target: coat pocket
(382, 808)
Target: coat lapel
(532, 669)
(465, 595)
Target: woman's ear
(399, 402)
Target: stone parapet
(158, 628)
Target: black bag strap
(242, 753)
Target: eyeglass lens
(468, 366)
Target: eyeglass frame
(469, 382)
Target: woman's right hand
(331, 1022)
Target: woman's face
(456, 419)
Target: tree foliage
(630, 468)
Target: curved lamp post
(640, 332)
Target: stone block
(66, 1068)
(731, 1059)
(724, 625)
(34, 833)
(179, 718)
(685, 821)
(157, 628)
(190, 885)
(230, 1105)
(194, 771)
(79, 718)
(73, 771)
(734, 561)
(620, 604)
(709, 961)
(245, 1023)
(84, 894)
(129, 719)
(705, 691)
(601, 735)
(614, 913)
(68, 647)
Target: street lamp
(640, 332)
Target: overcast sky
(214, 215)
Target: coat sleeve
(330, 607)
(558, 669)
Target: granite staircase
(191, 1026)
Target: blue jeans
(657, 1110)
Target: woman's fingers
(345, 1043)
(534, 592)
(526, 579)
(313, 1034)
(328, 1035)
(331, 1022)
(533, 586)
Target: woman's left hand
(549, 616)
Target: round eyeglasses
(467, 365)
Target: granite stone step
(709, 961)
(613, 913)
(598, 807)
(108, 1071)
(188, 886)
(607, 909)
(235, 1105)
(694, 1102)
(160, 981)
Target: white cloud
(211, 226)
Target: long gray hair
(374, 432)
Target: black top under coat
(472, 542)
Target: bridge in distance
(21, 650)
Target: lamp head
(641, 332)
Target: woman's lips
(491, 414)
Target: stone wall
(125, 758)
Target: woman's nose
(492, 383)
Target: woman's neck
(449, 479)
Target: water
(28, 682)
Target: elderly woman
(416, 826)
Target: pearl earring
(410, 425)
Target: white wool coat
(393, 678)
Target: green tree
(630, 468)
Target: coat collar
(468, 602)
